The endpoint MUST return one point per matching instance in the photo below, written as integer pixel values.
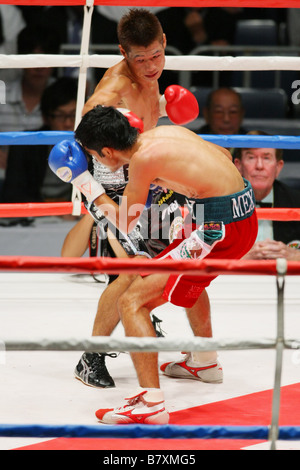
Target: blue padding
(256, 141)
(244, 141)
(147, 431)
(34, 138)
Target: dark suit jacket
(205, 129)
(284, 196)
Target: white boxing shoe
(146, 406)
(209, 373)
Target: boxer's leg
(91, 368)
(146, 405)
(198, 365)
(135, 305)
(199, 316)
(107, 316)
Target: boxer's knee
(132, 299)
(123, 306)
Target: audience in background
(66, 24)
(21, 111)
(261, 167)
(213, 26)
(223, 113)
(11, 24)
(23, 96)
(28, 176)
(292, 26)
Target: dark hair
(238, 151)
(59, 93)
(211, 94)
(37, 37)
(105, 127)
(139, 27)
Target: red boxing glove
(134, 121)
(180, 104)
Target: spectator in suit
(262, 166)
(223, 113)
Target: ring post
(84, 50)
(281, 266)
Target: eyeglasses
(63, 117)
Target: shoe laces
(134, 401)
(156, 324)
(137, 402)
(98, 360)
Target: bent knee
(130, 301)
(123, 305)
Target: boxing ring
(20, 275)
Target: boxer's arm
(68, 161)
(136, 193)
(126, 215)
(272, 249)
(109, 92)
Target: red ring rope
(38, 209)
(166, 3)
(124, 265)
(63, 208)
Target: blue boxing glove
(68, 161)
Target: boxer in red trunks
(175, 158)
(231, 223)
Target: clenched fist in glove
(179, 104)
(134, 121)
(68, 161)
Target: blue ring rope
(34, 138)
(147, 431)
(53, 137)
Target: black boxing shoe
(92, 371)
(157, 327)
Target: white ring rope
(104, 344)
(190, 62)
(164, 344)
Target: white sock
(202, 357)
(153, 395)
